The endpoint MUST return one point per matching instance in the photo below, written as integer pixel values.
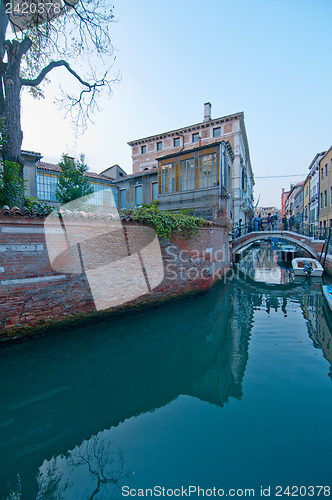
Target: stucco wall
(35, 299)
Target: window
(159, 146)
(195, 137)
(330, 195)
(154, 190)
(99, 196)
(46, 186)
(243, 180)
(216, 132)
(122, 198)
(321, 173)
(306, 191)
(325, 170)
(321, 200)
(176, 142)
(187, 175)
(143, 150)
(325, 198)
(207, 170)
(138, 195)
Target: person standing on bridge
(238, 228)
(260, 223)
(256, 223)
(269, 222)
(284, 223)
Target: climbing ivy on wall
(165, 223)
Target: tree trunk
(12, 109)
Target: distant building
(265, 211)
(325, 190)
(298, 204)
(114, 172)
(293, 204)
(146, 153)
(284, 195)
(301, 202)
(311, 192)
(274, 212)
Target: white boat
(303, 266)
(327, 291)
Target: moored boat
(327, 291)
(288, 252)
(303, 266)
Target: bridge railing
(309, 230)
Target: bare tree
(101, 466)
(35, 41)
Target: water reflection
(263, 264)
(62, 396)
(319, 323)
(93, 465)
(60, 391)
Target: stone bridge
(312, 246)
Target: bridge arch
(313, 247)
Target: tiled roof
(152, 170)
(32, 153)
(51, 167)
(75, 214)
(15, 211)
(48, 166)
(27, 152)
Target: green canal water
(229, 390)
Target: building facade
(284, 195)
(298, 204)
(325, 190)
(138, 189)
(293, 204)
(46, 178)
(29, 170)
(313, 208)
(199, 180)
(147, 151)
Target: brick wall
(35, 298)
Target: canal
(229, 390)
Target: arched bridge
(312, 246)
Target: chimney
(207, 111)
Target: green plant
(165, 223)
(34, 205)
(12, 186)
(72, 184)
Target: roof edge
(215, 121)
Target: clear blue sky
(269, 59)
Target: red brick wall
(34, 297)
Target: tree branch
(54, 64)
(24, 46)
